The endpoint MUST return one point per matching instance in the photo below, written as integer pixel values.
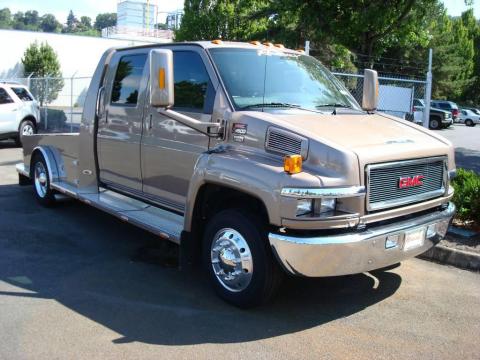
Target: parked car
(19, 112)
(469, 117)
(447, 105)
(281, 174)
(438, 118)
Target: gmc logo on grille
(408, 182)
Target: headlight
(304, 206)
(325, 205)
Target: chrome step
(161, 222)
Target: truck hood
(373, 138)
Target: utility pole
(428, 92)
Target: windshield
(266, 78)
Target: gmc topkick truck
(252, 157)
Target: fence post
(428, 92)
(307, 47)
(71, 101)
(46, 103)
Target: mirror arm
(203, 127)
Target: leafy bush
(467, 195)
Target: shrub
(467, 195)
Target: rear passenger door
(8, 113)
(120, 128)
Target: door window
(22, 94)
(4, 97)
(127, 80)
(193, 88)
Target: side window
(193, 88)
(127, 79)
(4, 97)
(22, 94)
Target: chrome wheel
(40, 179)
(28, 129)
(232, 260)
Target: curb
(458, 258)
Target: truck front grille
(405, 182)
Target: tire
(469, 122)
(27, 127)
(434, 124)
(41, 181)
(238, 259)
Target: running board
(161, 222)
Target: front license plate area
(414, 239)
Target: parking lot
(467, 145)
(77, 283)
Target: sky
(91, 8)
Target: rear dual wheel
(41, 181)
(238, 259)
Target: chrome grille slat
(286, 143)
(382, 182)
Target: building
(136, 20)
(174, 19)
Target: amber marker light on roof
(255, 43)
(300, 51)
(292, 164)
(281, 46)
(269, 44)
(217, 42)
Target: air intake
(285, 143)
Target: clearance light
(161, 78)
(300, 51)
(292, 164)
(269, 44)
(255, 43)
(217, 42)
(281, 46)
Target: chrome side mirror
(161, 78)
(370, 90)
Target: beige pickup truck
(253, 158)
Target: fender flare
(50, 161)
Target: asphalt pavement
(76, 283)
(467, 145)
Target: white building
(136, 19)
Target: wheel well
(29, 117)
(210, 200)
(436, 117)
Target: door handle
(150, 121)
(106, 116)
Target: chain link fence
(396, 94)
(61, 101)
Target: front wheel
(238, 259)
(469, 122)
(434, 124)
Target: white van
(19, 112)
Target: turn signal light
(292, 164)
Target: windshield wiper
(334, 105)
(271, 105)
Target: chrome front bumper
(357, 252)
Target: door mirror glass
(370, 90)
(161, 78)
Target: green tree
(224, 19)
(105, 20)
(86, 23)
(72, 22)
(48, 23)
(5, 18)
(41, 61)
